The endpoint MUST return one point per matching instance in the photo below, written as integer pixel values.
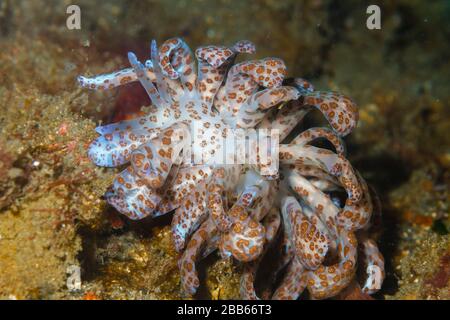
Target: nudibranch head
(199, 104)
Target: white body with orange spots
(231, 207)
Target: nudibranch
(233, 207)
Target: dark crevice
(87, 256)
(388, 243)
(384, 171)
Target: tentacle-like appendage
(214, 56)
(328, 281)
(310, 243)
(294, 282)
(324, 185)
(138, 124)
(244, 46)
(253, 110)
(268, 98)
(134, 191)
(340, 111)
(233, 94)
(265, 201)
(272, 223)
(247, 284)
(188, 217)
(335, 164)
(285, 247)
(245, 240)
(374, 266)
(247, 290)
(312, 171)
(285, 119)
(161, 81)
(312, 134)
(146, 82)
(216, 208)
(356, 215)
(213, 62)
(113, 79)
(243, 81)
(302, 85)
(320, 203)
(172, 88)
(153, 161)
(267, 73)
(131, 196)
(211, 245)
(114, 147)
(184, 183)
(189, 277)
(169, 202)
(119, 139)
(176, 61)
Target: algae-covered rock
(425, 273)
(48, 187)
(36, 250)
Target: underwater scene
(224, 150)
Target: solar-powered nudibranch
(233, 207)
